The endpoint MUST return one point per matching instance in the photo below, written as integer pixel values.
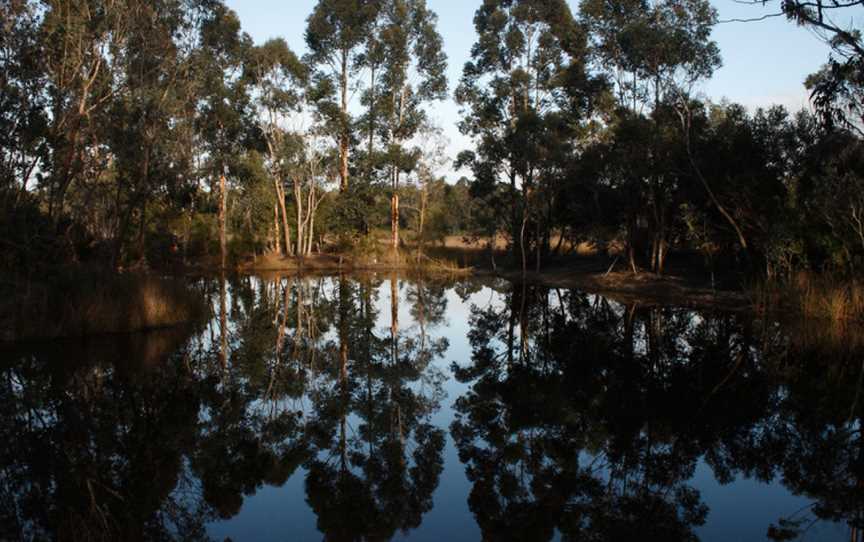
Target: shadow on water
(558, 414)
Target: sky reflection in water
(462, 411)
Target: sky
(764, 62)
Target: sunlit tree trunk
(311, 207)
(394, 216)
(344, 140)
(277, 244)
(280, 199)
(298, 200)
(223, 211)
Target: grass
(81, 303)
(822, 297)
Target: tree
(279, 77)
(23, 115)
(335, 34)
(80, 74)
(654, 53)
(225, 115)
(145, 110)
(528, 64)
(411, 46)
(433, 158)
(838, 88)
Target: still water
(378, 407)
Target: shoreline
(625, 287)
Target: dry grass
(83, 304)
(814, 297)
(445, 265)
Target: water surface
(377, 407)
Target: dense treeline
(156, 132)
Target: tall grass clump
(84, 303)
(822, 297)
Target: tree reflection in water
(580, 416)
(589, 418)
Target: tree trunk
(538, 246)
(684, 117)
(522, 245)
(344, 140)
(277, 244)
(223, 211)
(371, 118)
(298, 201)
(394, 220)
(424, 196)
(311, 207)
(280, 196)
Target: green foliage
(118, 129)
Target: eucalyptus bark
(286, 230)
(277, 244)
(298, 200)
(344, 139)
(223, 211)
(394, 220)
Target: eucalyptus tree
(146, 111)
(653, 52)
(838, 88)
(308, 160)
(78, 39)
(432, 160)
(412, 49)
(336, 33)
(23, 117)
(279, 78)
(225, 116)
(527, 65)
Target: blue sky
(764, 62)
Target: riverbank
(83, 303)
(687, 284)
(643, 288)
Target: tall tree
(336, 33)
(653, 52)
(23, 118)
(838, 88)
(225, 116)
(412, 47)
(528, 64)
(144, 110)
(79, 37)
(279, 77)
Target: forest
(250, 292)
(142, 135)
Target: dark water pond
(377, 408)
